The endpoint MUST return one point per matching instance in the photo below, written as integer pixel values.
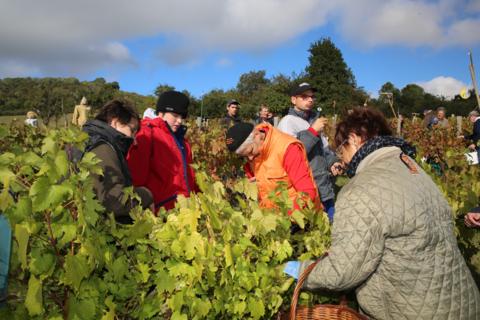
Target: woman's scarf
(374, 144)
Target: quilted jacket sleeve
(357, 244)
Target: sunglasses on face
(307, 96)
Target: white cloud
(473, 6)
(443, 86)
(72, 37)
(378, 22)
(224, 62)
(14, 69)
(464, 32)
(411, 23)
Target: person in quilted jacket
(393, 237)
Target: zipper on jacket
(161, 203)
(184, 157)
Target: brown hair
(263, 106)
(121, 110)
(364, 122)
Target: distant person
(264, 115)
(273, 157)
(111, 134)
(81, 113)
(441, 120)
(428, 118)
(474, 118)
(161, 158)
(270, 118)
(393, 237)
(472, 218)
(232, 117)
(31, 119)
(307, 126)
(150, 113)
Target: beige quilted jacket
(393, 241)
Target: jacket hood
(101, 131)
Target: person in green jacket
(111, 134)
(393, 237)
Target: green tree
(214, 103)
(251, 82)
(387, 94)
(412, 99)
(328, 72)
(161, 88)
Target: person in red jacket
(161, 158)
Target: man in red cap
(161, 158)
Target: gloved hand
(292, 268)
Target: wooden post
(399, 126)
(474, 81)
(459, 125)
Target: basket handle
(298, 287)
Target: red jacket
(156, 161)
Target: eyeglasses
(339, 149)
(306, 96)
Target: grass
(54, 123)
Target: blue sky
(208, 44)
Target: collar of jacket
(234, 119)
(309, 116)
(374, 144)
(101, 131)
(162, 124)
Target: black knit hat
(237, 134)
(173, 101)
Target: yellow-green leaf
(34, 298)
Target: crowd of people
(392, 231)
(393, 235)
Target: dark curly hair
(364, 122)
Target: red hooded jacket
(160, 160)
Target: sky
(200, 45)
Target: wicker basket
(319, 311)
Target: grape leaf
(34, 298)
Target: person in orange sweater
(273, 157)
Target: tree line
(326, 70)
